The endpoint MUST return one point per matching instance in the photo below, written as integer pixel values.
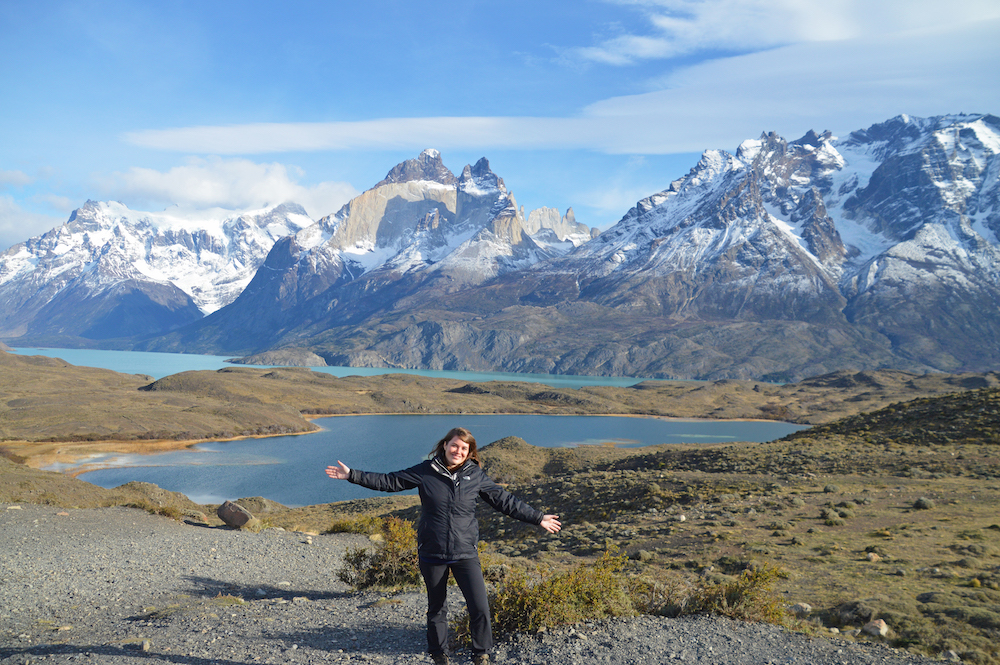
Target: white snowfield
(948, 234)
(211, 256)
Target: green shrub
(751, 597)
(390, 562)
(527, 603)
(667, 596)
(366, 524)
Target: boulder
(877, 628)
(801, 610)
(234, 515)
(258, 505)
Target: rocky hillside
(52, 408)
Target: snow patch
(210, 255)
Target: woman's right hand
(339, 472)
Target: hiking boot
(439, 658)
(481, 659)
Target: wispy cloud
(224, 183)
(386, 133)
(839, 85)
(680, 27)
(17, 224)
(15, 178)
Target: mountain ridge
(779, 261)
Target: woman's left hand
(339, 472)
(551, 523)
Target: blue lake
(159, 365)
(290, 469)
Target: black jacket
(448, 529)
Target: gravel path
(118, 585)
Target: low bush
(391, 562)
(154, 509)
(750, 597)
(526, 602)
(366, 524)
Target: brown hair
(461, 433)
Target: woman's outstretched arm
(397, 481)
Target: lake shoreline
(44, 455)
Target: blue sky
(590, 104)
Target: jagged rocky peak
(565, 227)
(904, 133)
(288, 208)
(427, 166)
(928, 170)
(90, 214)
(88, 209)
(480, 177)
(902, 128)
(812, 139)
(772, 146)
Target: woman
(449, 484)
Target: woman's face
(455, 452)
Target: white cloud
(841, 85)
(15, 178)
(17, 224)
(56, 201)
(387, 133)
(681, 27)
(223, 183)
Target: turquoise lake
(159, 365)
(290, 469)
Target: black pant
(469, 577)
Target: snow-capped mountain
(111, 272)
(548, 227)
(421, 218)
(783, 260)
(892, 230)
(420, 230)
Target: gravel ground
(117, 585)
